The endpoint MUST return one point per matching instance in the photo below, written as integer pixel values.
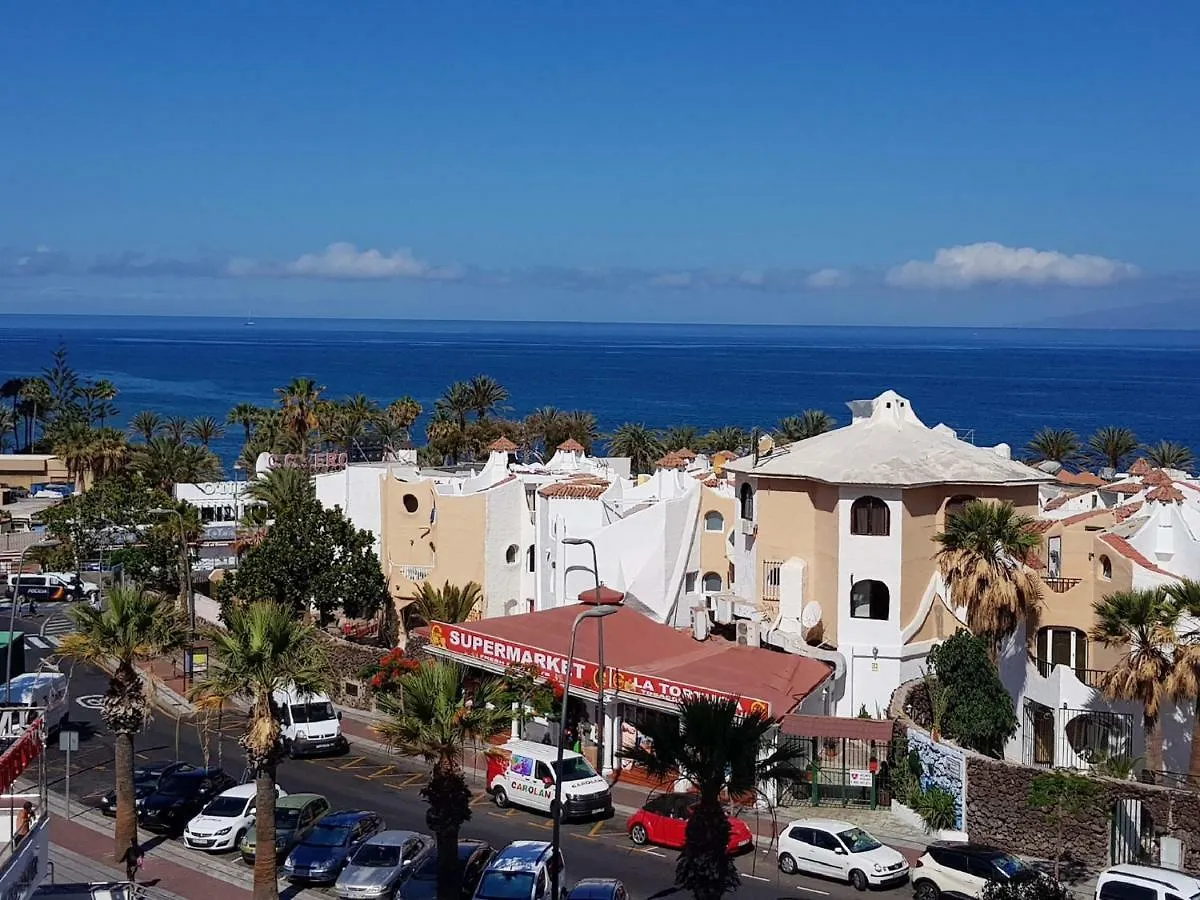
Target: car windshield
(302, 713)
(1009, 866)
(226, 807)
(177, 784)
(858, 841)
(286, 818)
(575, 769)
(377, 855)
(328, 836)
(506, 886)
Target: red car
(663, 820)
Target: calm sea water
(1000, 384)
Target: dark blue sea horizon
(991, 384)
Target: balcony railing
(1060, 585)
(415, 574)
(770, 582)
(1090, 677)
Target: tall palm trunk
(266, 885)
(125, 830)
(704, 866)
(449, 806)
(1152, 725)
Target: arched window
(870, 516)
(510, 555)
(1105, 567)
(712, 583)
(746, 496)
(714, 521)
(869, 600)
(955, 504)
(1057, 646)
(531, 558)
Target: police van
(523, 773)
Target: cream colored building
(27, 469)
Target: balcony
(1090, 677)
(415, 574)
(1060, 585)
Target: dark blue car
(322, 855)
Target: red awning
(643, 658)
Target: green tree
(134, 627)
(681, 437)
(1184, 596)
(283, 490)
(981, 556)
(1062, 796)
(808, 424)
(264, 649)
(457, 403)
(246, 415)
(1143, 625)
(63, 382)
(487, 395)
(298, 409)
(448, 603)
(164, 462)
(404, 413)
(175, 428)
(313, 556)
(641, 444)
(979, 711)
(11, 390)
(205, 429)
(718, 750)
(39, 401)
(1170, 455)
(434, 719)
(583, 427)
(1059, 445)
(729, 437)
(146, 424)
(1111, 446)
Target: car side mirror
(840, 851)
(339, 715)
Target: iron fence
(837, 771)
(1075, 738)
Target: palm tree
(434, 718)
(456, 403)
(448, 603)
(728, 437)
(1143, 624)
(11, 390)
(246, 415)
(583, 427)
(641, 444)
(164, 462)
(392, 435)
(1185, 675)
(717, 749)
(205, 429)
(36, 392)
(110, 452)
(73, 444)
(298, 404)
(487, 394)
(1060, 445)
(354, 417)
(1169, 455)
(100, 397)
(546, 427)
(282, 490)
(176, 428)
(146, 424)
(982, 554)
(8, 422)
(681, 437)
(263, 649)
(133, 627)
(404, 412)
(1110, 446)
(808, 424)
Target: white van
(27, 696)
(526, 776)
(310, 725)
(1130, 882)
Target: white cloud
(827, 278)
(346, 261)
(989, 262)
(672, 280)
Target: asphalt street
(368, 780)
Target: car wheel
(858, 880)
(926, 890)
(500, 797)
(237, 840)
(787, 864)
(638, 835)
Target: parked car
(378, 866)
(421, 884)
(223, 823)
(663, 820)
(180, 796)
(77, 588)
(840, 850)
(523, 871)
(295, 816)
(1130, 882)
(145, 782)
(598, 889)
(320, 856)
(960, 869)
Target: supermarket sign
(467, 646)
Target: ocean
(991, 385)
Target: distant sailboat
(249, 319)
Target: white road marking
(37, 642)
(53, 641)
(812, 891)
(755, 877)
(652, 853)
(91, 701)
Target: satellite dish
(765, 445)
(810, 616)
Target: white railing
(770, 580)
(415, 574)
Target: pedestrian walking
(134, 860)
(24, 823)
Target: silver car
(379, 866)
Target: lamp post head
(598, 612)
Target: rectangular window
(689, 582)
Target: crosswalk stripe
(37, 642)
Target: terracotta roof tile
(574, 490)
(502, 445)
(1121, 513)
(1060, 500)
(1131, 553)
(685, 453)
(571, 446)
(1124, 487)
(671, 461)
(1165, 493)
(1157, 477)
(1040, 526)
(1140, 467)
(1084, 516)
(1085, 479)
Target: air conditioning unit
(700, 623)
(749, 527)
(722, 610)
(747, 633)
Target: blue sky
(871, 162)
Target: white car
(839, 850)
(224, 822)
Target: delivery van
(28, 696)
(310, 725)
(524, 773)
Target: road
(366, 780)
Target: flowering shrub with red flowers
(392, 666)
(534, 695)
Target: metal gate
(837, 771)
(1131, 835)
